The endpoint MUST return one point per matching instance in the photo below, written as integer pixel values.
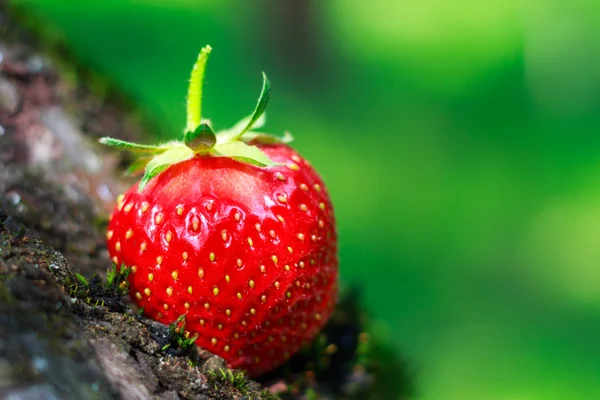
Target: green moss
(5, 294)
(99, 292)
(225, 378)
(266, 395)
(178, 338)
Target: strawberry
(234, 230)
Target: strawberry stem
(194, 99)
(238, 143)
(201, 140)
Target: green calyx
(199, 137)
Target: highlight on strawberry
(233, 229)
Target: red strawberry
(234, 230)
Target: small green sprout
(178, 338)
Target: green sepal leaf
(134, 147)
(243, 123)
(229, 135)
(137, 166)
(267, 138)
(261, 106)
(201, 140)
(243, 152)
(163, 161)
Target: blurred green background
(460, 142)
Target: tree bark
(58, 341)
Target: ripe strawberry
(236, 231)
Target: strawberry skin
(248, 254)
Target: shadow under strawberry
(344, 362)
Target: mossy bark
(56, 186)
(57, 343)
